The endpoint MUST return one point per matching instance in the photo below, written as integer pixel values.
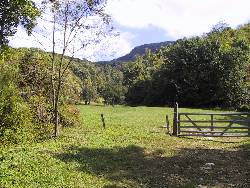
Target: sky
(147, 21)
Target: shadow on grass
(132, 166)
(244, 122)
(224, 140)
(245, 119)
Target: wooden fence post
(248, 119)
(103, 121)
(175, 121)
(167, 125)
(212, 123)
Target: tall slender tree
(75, 24)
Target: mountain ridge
(138, 51)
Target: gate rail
(236, 125)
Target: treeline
(99, 83)
(207, 71)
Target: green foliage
(244, 108)
(138, 77)
(42, 116)
(34, 73)
(71, 89)
(26, 96)
(90, 78)
(15, 115)
(13, 13)
(36, 84)
(113, 91)
(69, 115)
(97, 82)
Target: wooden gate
(236, 124)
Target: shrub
(15, 117)
(42, 117)
(69, 115)
(244, 108)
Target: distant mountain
(138, 51)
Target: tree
(113, 90)
(138, 77)
(13, 13)
(75, 24)
(89, 90)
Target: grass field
(132, 151)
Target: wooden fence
(236, 124)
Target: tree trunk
(54, 100)
(56, 121)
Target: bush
(42, 117)
(26, 97)
(15, 117)
(244, 108)
(69, 115)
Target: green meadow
(133, 150)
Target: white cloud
(179, 18)
(109, 48)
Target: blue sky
(147, 21)
(150, 34)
